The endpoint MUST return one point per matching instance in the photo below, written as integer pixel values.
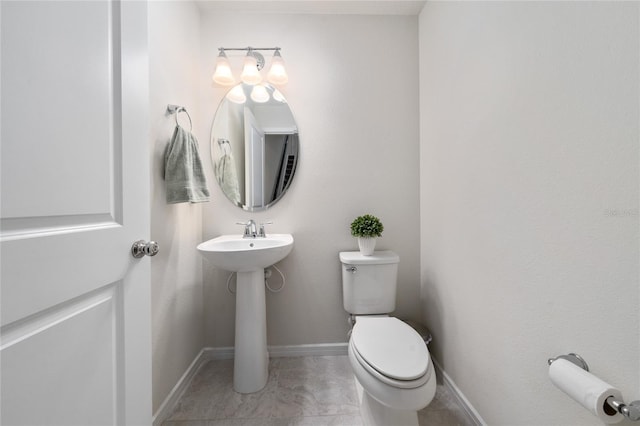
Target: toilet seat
(391, 351)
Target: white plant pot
(367, 245)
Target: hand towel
(183, 171)
(228, 178)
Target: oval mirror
(254, 146)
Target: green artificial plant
(366, 226)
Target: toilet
(390, 360)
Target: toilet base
(374, 413)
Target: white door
(75, 315)
(254, 160)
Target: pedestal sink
(248, 257)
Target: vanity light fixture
(277, 74)
(259, 94)
(253, 64)
(251, 70)
(223, 74)
(236, 95)
(277, 95)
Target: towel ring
(176, 109)
(225, 146)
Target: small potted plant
(366, 228)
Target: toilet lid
(391, 347)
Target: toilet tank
(369, 282)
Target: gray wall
(515, 211)
(176, 272)
(529, 199)
(358, 121)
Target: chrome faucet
(251, 229)
(261, 232)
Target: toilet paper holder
(573, 358)
(631, 411)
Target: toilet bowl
(392, 364)
(390, 360)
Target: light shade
(278, 96)
(236, 95)
(277, 74)
(250, 73)
(259, 94)
(223, 74)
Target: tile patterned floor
(300, 391)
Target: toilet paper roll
(586, 389)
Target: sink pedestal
(251, 362)
(248, 257)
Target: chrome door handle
(142, 247)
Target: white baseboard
(219, 353)
(169, 403)
(207, 354)
(471, 412)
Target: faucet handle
(261, 232)
(247, 229)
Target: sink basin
(237, 254)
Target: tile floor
(301, 391)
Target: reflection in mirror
(254, 146)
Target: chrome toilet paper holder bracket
(573, 358)
(631, 411)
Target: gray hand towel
(228, 178)
(183, 169)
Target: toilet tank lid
(377, 258)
